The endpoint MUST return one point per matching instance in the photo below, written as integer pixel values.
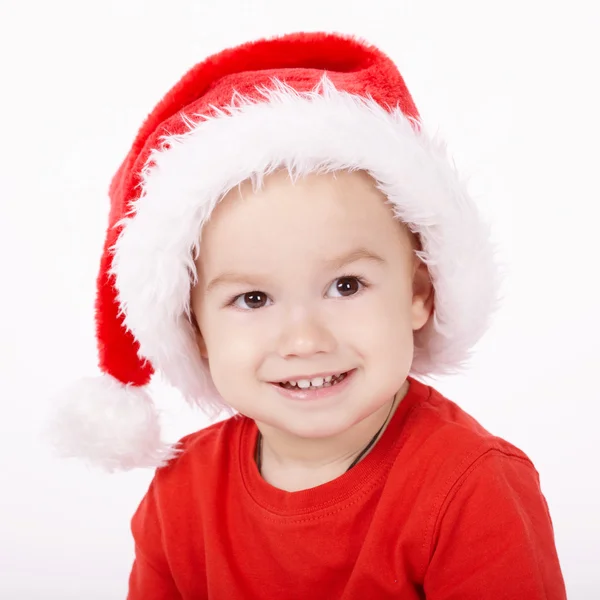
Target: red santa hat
(306, 102)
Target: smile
(314, 383)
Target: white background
(513, 86)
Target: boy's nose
(304, 334)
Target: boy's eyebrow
(333, 264)
(230, 277)
(351, 257)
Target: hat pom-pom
(109, 425)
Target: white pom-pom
(109, 425)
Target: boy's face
(305, 279)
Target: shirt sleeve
(150, 577)
(494, 537)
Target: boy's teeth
(316, 382)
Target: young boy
(286, 241)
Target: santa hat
(306, 102)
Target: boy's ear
(199, 338)
(201, 345)
(423, 295)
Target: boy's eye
(345, 286)
(251, 300)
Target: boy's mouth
(315, 383)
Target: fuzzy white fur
(324, 130)
(108, 424)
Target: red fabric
(300, 60)
(440, 509)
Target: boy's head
(335, 113)
(304, 278)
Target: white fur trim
(324, 130)
(109, 425)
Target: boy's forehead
(318, 217)
(279, 200)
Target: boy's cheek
(231, 351)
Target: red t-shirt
(439, 509)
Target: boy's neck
(293, 464)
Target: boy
(286, 242)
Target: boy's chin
(307, 429)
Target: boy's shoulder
(448, 439)
(453, 422)
(207, 446)
(211, 433)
